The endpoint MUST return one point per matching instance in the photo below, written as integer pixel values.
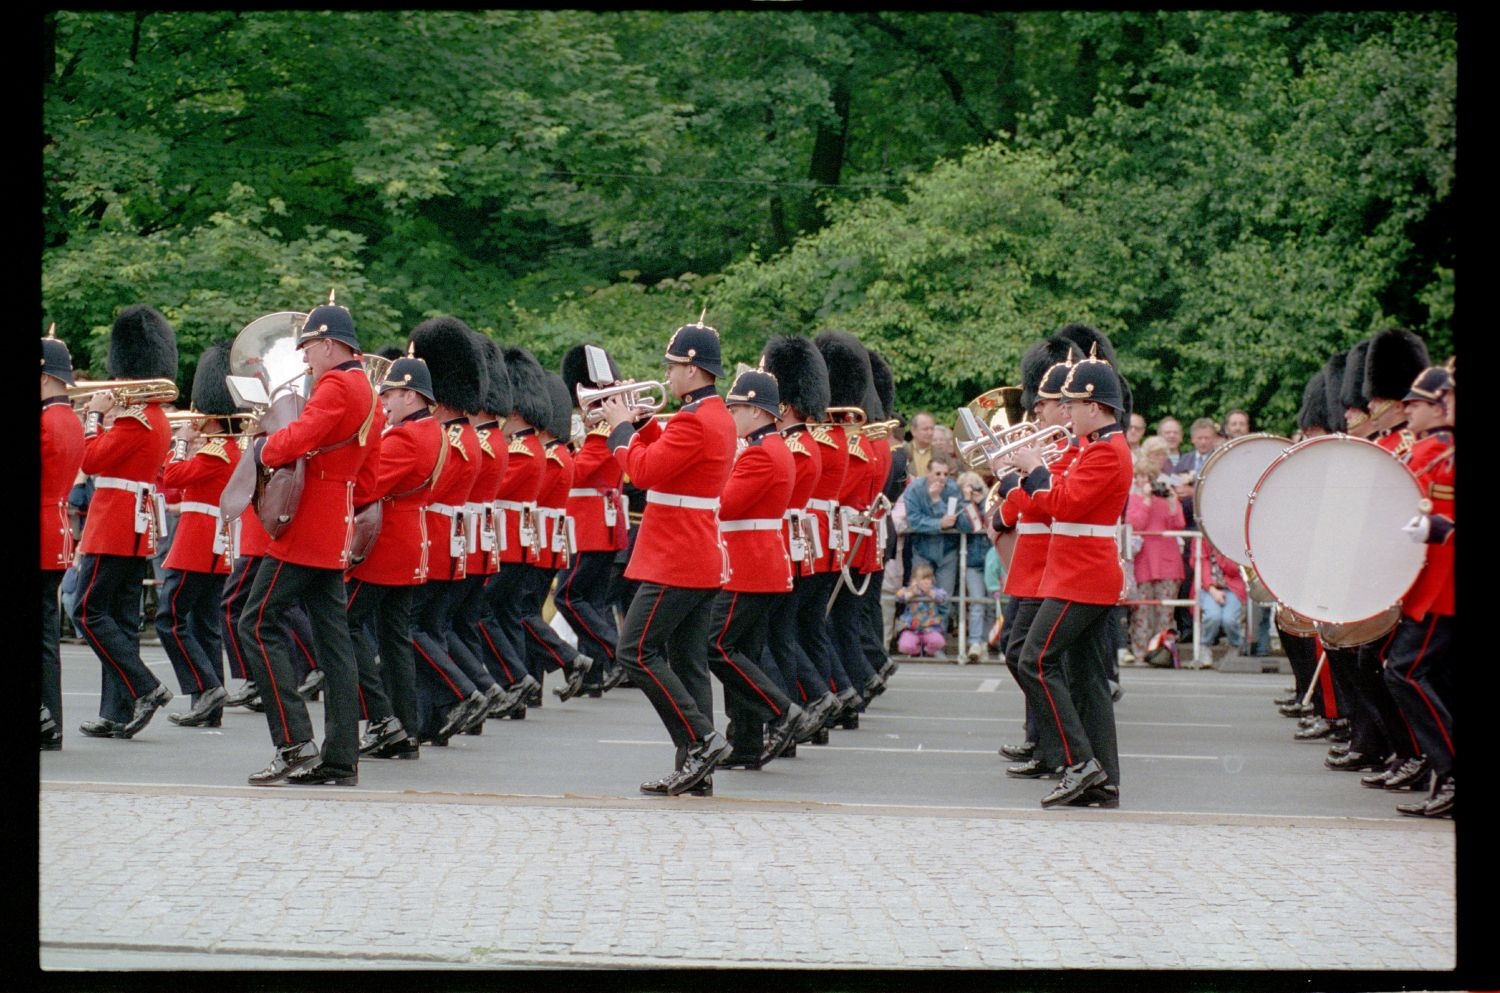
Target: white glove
(1417, 528)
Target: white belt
(1071, 530)
(511, 505)
(473, 507)
(826, 506)
(190, 507)
(586, 492)
(1029, 527)
(752, 524)
(115, 483)
(445, 509)
(679, 500)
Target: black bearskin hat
(447, 345)
(1086, 338)
(885, 383)
(210, 394)
(1395, 358)
(142, 345)
(392, 352)
(528, 386)
(801, 374)
(1333, 391)
(1352, 385)
(848, 367)
(496, 399)
(560, 403)
(1040, 357)
(1314, 410)
(575, 371)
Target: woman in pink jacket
(1159, 569)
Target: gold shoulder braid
(456, 440)
(822, 436)
(484, 442)
(856, 449)
(602, 429)
(794, 444)
(553, 456)
(517, 446)
(136, 411)
(215, 449)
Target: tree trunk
(827, 164)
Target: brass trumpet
(878, 430)
(982, 445)
(845, 417)
(177, 418)
(633, 392)
(126, 391)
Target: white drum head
(1223, 490)
(1323, 527)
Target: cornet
(982, 446)
(877, 430)
(126, 391)
(633, 393)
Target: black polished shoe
(208, 712)
(1098, 796)
(146, 707)
(700, 762)
(101, 727)
(242, 696)
(51, 743)
(289, 759)
(849, 720)
(1295, 709)
(312, 685)
(49, 726)
(534, 698)
(1338, 748)
(382, 733)
(1034, 768)
(1019, 753)
(889, 669)
(1413, 774)
(614, 677)
(820, 737)
(405, 748)
(1076, 779)
(323, 774)
(741, 760)
(818, 711)
(1355, 762)
(1315, 731)
(579, 668)
(1341, 731)
(1290, 698)
(1377, 780)
(874, 686)
(461, 713)
(480, 710)
(1441, 804)
(593, 692)
(795, 725)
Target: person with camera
(1158, 567)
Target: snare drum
(1223, 490)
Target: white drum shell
(1223, 490)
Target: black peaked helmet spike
(411, 374)
(330, 320)
(57, 362)
(497, 399)
(885, 383)
(447, 345)
(210, 392)
(142, 345)
(528, 388)
(1094, 380)
(560, 406)
(1314, 410)
(848, 367)
(575, 370)
(801, 374)
(755, 388)
(1051, 355)
(1395, 358)
(697, 344)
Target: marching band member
(596, 507)
(123, 448)
(381, 589)
(450, 697)
(679, 555)
(305, 564)
(1081, 585)
(872, 563)
(62, 454)
(187, 619)
(751, 510)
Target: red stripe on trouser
(359, 584)
(1416, 746)
(573, 615)
(260, 619)
(83, 612)
(1056, 718)
(437, 668)
(539, 641)
(1427, 640)
(176, 621)
(312, 662)
(680, 714)
(364, 708)
(496, 652)
(719, 644)
(229, 625)
(1325, 682)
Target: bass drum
(1293, 623)
(1360, 632)
(1323, 529)
(1223, 490)
(1254, 586)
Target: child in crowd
(921, 622)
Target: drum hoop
(1213, 459)
(1250, 506)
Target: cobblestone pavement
(212, 878)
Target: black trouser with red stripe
(388, 687)
(872, 630)
(51, 633)
(500, 629)
(465, 647)
(440, 681)
(295, 626)
(1376, 727)
(320, 592)
(1063, 665)
(787, 651)
(846, 621)
(1017, 626)
(582, 597)
(188, 626)
(813, 632)
(1302, 656)
(545, 649)
(737, 635)
(664, 648)
(1419, 674)
(109, 612)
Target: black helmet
(756, 389)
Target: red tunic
(1434, 591)
(519, 486)
(807, 467)
(484, 547)
(551, 501)
(62, 454)
(878, 469)
(132, 449)
(751, 509)
(408, 452)
(595, 501)
(1093, 493)
(691, 457)
(1028, 560)
(341, 404)
(834, 457)
(447, 546)
(201, 479)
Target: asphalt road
(1191, 741)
